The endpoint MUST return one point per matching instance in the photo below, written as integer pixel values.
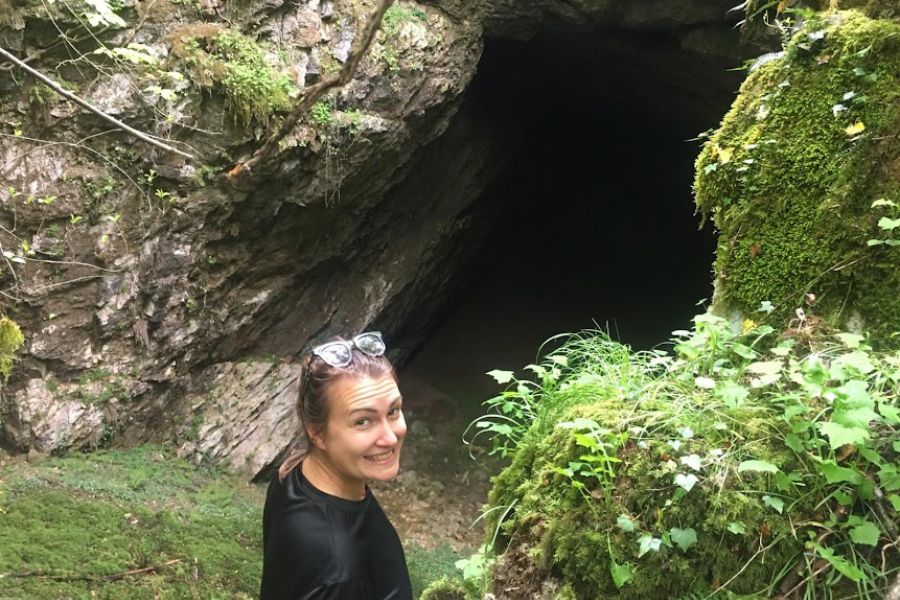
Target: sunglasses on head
(340, 353)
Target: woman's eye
(394, 412)
(362, 423)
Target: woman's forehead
(353, 392)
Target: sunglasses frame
(319, 351)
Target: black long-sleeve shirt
(320, 547)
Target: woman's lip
(382, 456)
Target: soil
(441, 489)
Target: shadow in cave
(592, 223)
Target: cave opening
(590, 223)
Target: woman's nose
(388, 436)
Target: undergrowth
(739, 463)
(127, 524)
(141, 523)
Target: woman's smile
(383, 457)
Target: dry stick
(245, 168)
(115, 577)
(84, 103)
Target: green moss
(11, 339)
(84, 519)
(445, 589)
(396, 15)
(255, 85)
(427, 565)
(579, 539)
(790, 189)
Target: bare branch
(241, 172)
(84, 103)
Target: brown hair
(316, 379)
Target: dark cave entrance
(591, 223)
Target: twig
(242, 171)
(85, 104)
(744, 568)
(114, 577)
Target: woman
(324, 535)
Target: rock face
(153, 297)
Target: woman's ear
(315, 437)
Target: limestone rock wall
(147, 289)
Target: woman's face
(365, 429)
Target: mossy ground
(74, 526)
(789, 181)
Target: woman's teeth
(380, 457)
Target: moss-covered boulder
(737, 468)
(802, 179)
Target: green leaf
(843, 498)
(620, 573)
(737, 528)
(855, 417)
(731, 393)
(683, 538)
(760, 466)
(686, 482)
(648, 543)
(896, 445)
(840, 564)
(856, 393)
(872, 456)
(692, 461)
(837, 474)
(839, 435)
(744, 351)
(793, 442)
(500, 376)
(888, 224)
(866, 533)
(774, 502)
(889, 478)
(850, 340)
(890, 413)
(766, 367)
(858, 361)
(895, 502)
(624, 523)
(883, 202)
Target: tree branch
(85, 104)
(241, 172)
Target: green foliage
(255, 88)
(740, 459)
(791, 175)
(321, 113)
(83, 519)
(11, 339)
(396, 15)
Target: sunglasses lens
(336, 355)
(370, 343)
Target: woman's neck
(324, 477)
